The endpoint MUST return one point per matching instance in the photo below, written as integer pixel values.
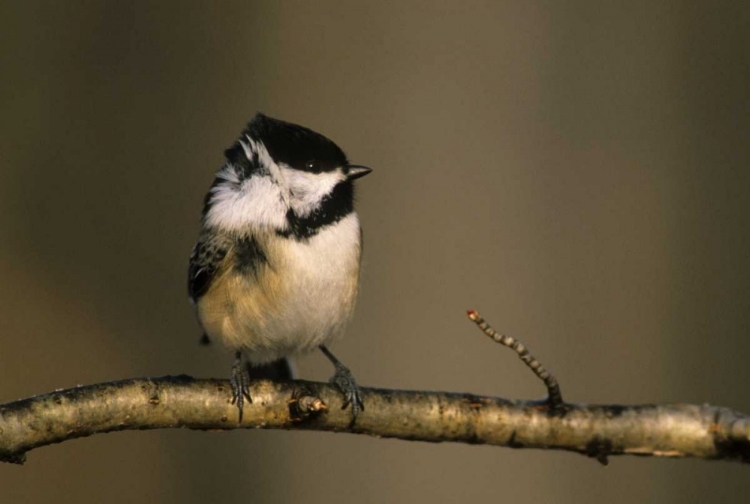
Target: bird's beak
(356, 171)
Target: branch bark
(679, 430)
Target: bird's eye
(313, 166)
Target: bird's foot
(345, 382)
(240, 381)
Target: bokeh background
(578, 172)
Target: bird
(275, 271)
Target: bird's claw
(240, 382)
(345, 382)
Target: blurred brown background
(578, 173)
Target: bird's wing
(205, 260)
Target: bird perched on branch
(275, 271)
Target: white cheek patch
(262, 200)
(253, 148)
(255, 203)
(307, 190)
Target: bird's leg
(345, 382)
(240, 381)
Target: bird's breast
(299, 297)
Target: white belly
(305, 296)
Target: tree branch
(679, 430)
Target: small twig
(554, 396)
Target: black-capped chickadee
(275, 271)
